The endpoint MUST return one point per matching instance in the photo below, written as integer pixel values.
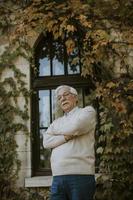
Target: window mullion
(65, 59)
(50, 105)
(83, 94)
(51, 58)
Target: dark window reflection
(52, 59)
(44, 67)
(58, 67)
(44, 108)
(44, 155)
(88, 96)
(57, 52)
(72, 69)
(73, 62)
(80, 97)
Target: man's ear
(76, 99)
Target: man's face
(67, 101)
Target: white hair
(67, 87)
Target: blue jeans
(73, 187)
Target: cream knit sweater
(77, 156)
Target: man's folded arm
(52, 141)
(81, 125)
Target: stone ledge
(43, 181)
(39, 181)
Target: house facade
(50, 66)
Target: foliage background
(104, 31)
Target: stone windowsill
(42, 181)
(38, 181)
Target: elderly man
(72, 139)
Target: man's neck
(71, 111)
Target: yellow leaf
(70, 44)
(111, 85)
(50, 25)
(82, 17)
(119, 106)
(87, 24)
(84, 21)
(70, 28)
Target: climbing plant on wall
(12, 119)
(105, 43)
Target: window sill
(43, 181)
(39, 181)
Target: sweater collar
(71, 112)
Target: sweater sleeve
(52, 141)
(83, 123)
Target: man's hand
(69, 137)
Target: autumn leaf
(84, 21)
(111, 84)
(70, 44)
(119, 106)
(70, 28)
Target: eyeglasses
(65, 94)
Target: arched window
(53, 67)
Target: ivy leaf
(106, 127)
(99, 150)
(70, 28)
(111, 85)
(102, 138)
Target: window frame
(40, 83)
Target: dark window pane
(80, 97)
(44, 154)
(57, 54)
(53, 105)
(44, 58)
(88, 97)
(44, 67)
(56, 111)
(73, 69)
(44, 108)
(73, 62)
(58, 67)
